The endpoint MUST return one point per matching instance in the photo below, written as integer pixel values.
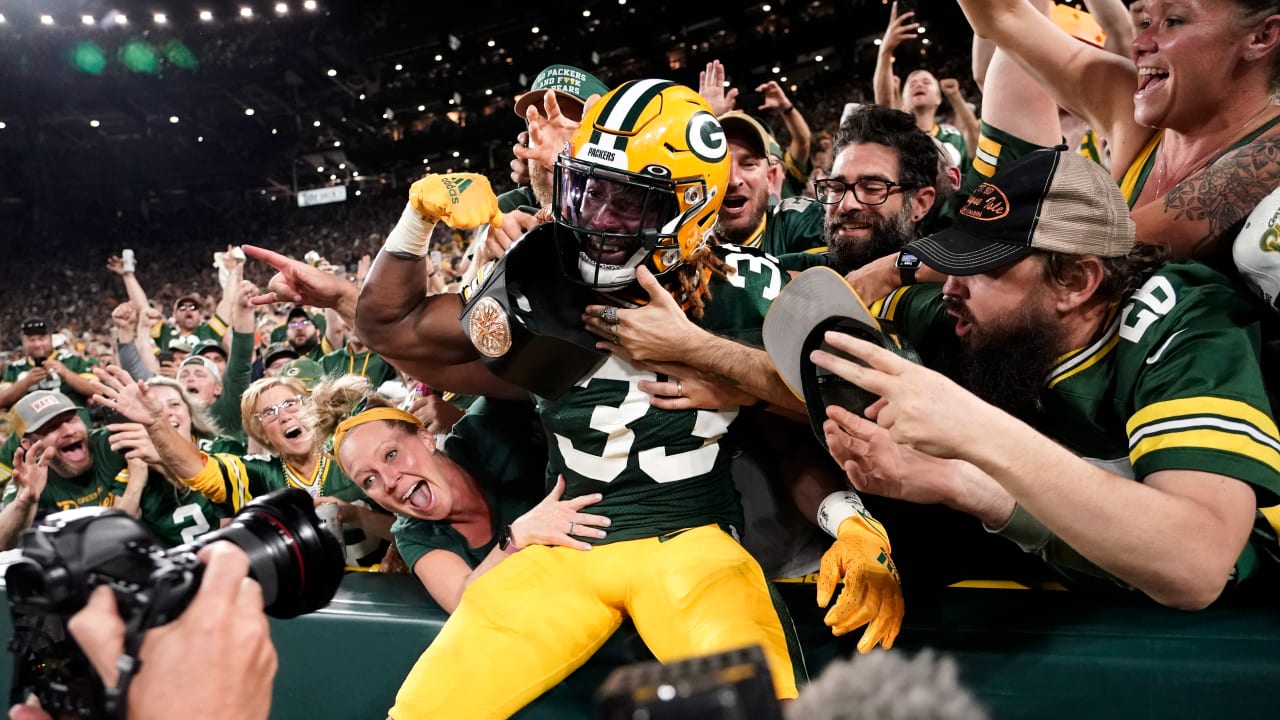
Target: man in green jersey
(43, 368)
(1107, 413)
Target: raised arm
(901, 28)
(133, 288)
(775, 98)
(1113, 18)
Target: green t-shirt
(514, 199)
(1172, 383)
(366, 363)
(493, 443)
(248, 476)
(660, 470)
(93, 488)
(73, 362)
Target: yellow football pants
(525, 625)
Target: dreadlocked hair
(693, 289)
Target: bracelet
(788, 109)
(838, 507)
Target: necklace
(1204, 160)
(318, 476)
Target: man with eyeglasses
(304, 335)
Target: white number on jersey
(756, 265)
(614, 423)
(199, 526)
(1152, 302)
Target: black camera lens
(298, 564)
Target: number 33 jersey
(660, 471)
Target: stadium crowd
(1059, 365)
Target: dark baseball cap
(210, 346)
(35, 326)
(278, 350)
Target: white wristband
(836, 508)
(411, 235)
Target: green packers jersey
(176, 515)
(660, 471)
(90, 489)
(245, 477)
(801, 261)
(7, 449)
(514, 199)
(1172, 383)
(366, 363)
(212, 329)
(73, 362)
(493, 443)
(795, 178)
(796, 225)
(953, 141)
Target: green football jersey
(493, 443)
(513, 199)
(660, 471)
(73, 362)
(366, 363)
(92, 488)
(953, 140)
(1173, 382)
(245, 477)
(796, 225)
(175, 515)
(212, 329)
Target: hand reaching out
(900, 29)
(711, 87)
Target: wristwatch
(506, 543)
(907, 265)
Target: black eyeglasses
(868, 191)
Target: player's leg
(521, 628)
(700, 593)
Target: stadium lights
(355, 176)
(282, 9)
(586, 13)
(535, 29)
(160, 18)
(173, 119)
(422, 108)
(426, 161)
(622, 2)
(342, 166)
(46, 19)
(274, 131)
(920, 30)
(246, 11)
(456, 153)
(337, 143)
(491, 43)
(122, 19)
(817, 58)
(439, 57)
(94, 123)
(766, 8)
(3, 125)
(331, 72)
(357, 193)
(86, 19)
(3, 20)
(361, 96)
(776, 69)
(200, 138)
(320, 168)
(488, 91)
(309, 5)
(399, 67)
(333, 177)
(315, 123)
(248, 111)
(206, 16)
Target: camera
(68, 554)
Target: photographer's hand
(224, 625)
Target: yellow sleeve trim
(1129, 184)
(1200, 406)
(209, 481)
(1208, 439)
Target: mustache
(956, 306)
(857, 217)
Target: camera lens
(297, 562)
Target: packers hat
(306, 370)
(210, 346)
(739, 124)
(569, 83)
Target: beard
(888, 235)
(1005, 362)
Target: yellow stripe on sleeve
(1208, 439)
(209, 481)
(1203, 405)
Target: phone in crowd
(165, 356)
(907, 6)
(436, 258)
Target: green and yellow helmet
(639, 183)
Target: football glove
(461, 200)
(872, 593)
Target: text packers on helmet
(640, 182)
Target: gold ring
(679, 389)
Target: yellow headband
(368, 416)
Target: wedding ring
(571, 527)
(679, 389)
(609, 315)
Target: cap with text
(36, 409)
(569, 83)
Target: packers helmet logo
(706, 137)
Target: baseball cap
(188, 296)
(210, 346)
(36, 409)
(1052, 200)
(203, 362)
(305, 369)
(569, 83)
(278, 350)
(298, 311)
(739, 124)
(816, 301)
(35, 326)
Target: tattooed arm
(1201, 215)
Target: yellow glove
(461, 200)
(872, 590)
